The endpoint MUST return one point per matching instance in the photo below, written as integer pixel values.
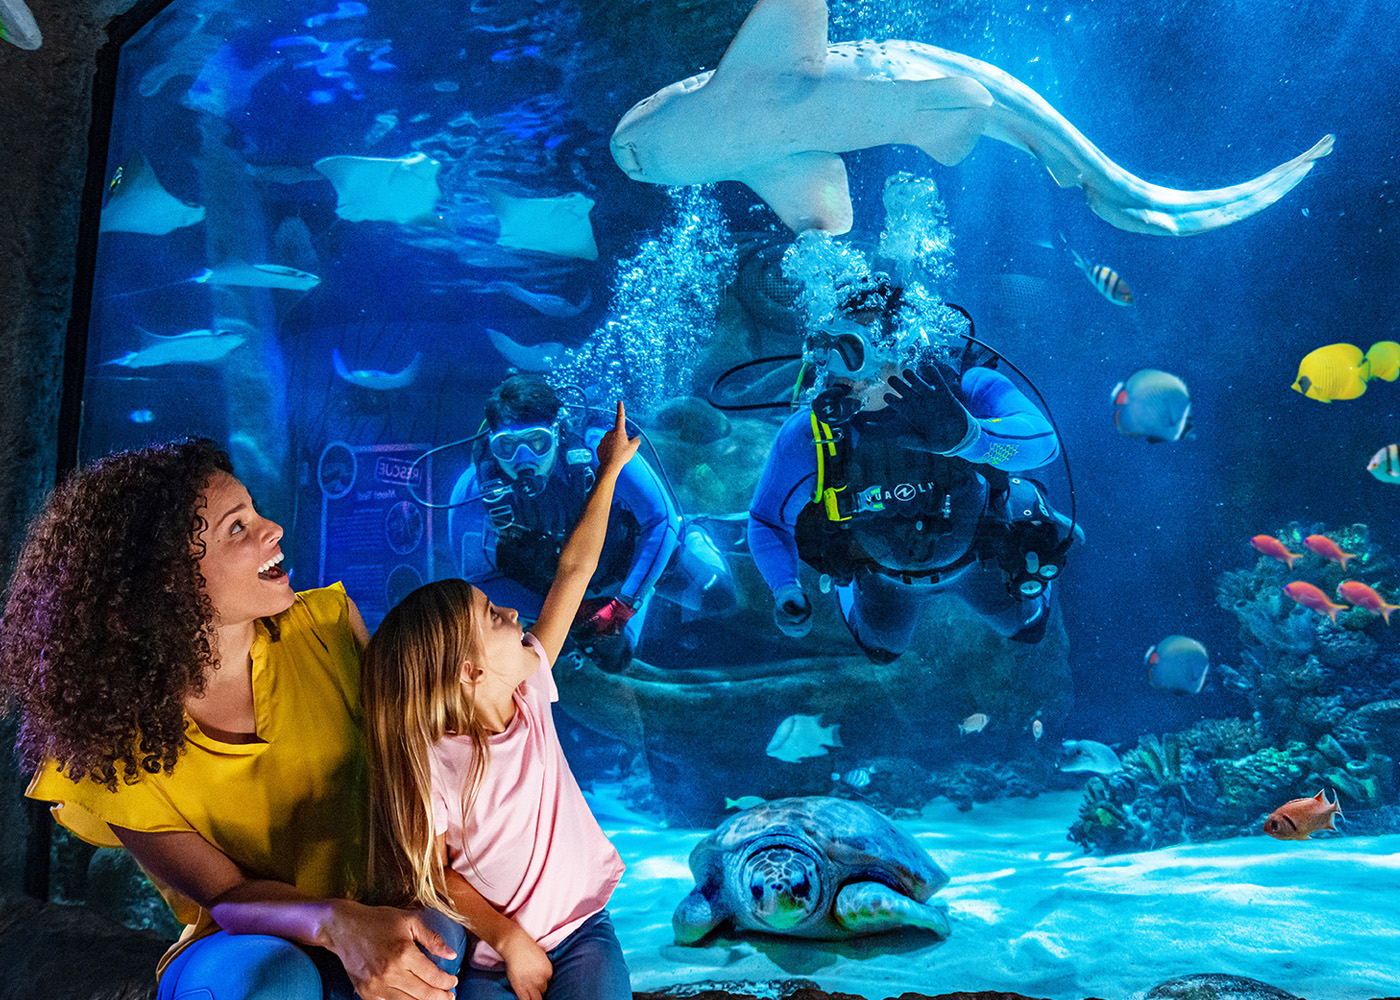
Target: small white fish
(856, 777)
(801, 736)
(197, 347)
(371, 378)
(974, 723)
(1177, 663)
(17, 25)
(744, 802)
(1089, 755)
(1110, 285)
(1385, 464)
(1037, 729)
(258, 276)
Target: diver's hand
(528, 968)
(616, 449)
(792, 612)
(930, 407)
(602, 617)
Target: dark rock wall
(45, 105)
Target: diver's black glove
(928, 406)
(792, 612)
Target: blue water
(231, 104)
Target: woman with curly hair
(178, 699)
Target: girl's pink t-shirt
(533, 847)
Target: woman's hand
(528, 968)
(616, 449)
(378, 945)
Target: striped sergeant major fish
(1385, 464)
(1108, 281)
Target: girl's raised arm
(579, 559)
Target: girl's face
(242, 559)
(505, 656)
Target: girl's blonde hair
(410, 682)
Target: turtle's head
(784, 886)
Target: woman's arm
(579, 558)
(378, 945)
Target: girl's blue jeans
(588, 965)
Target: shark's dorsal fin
(777, 38)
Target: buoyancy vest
(889, 507)
(531, 530)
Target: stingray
(224, 85)
(17, 25)
(368, 188)
(372, 378)
(784, 102)
(257, 276)
(540, 357)
(549, 225)
(554, 306)
(197, 347)
(138, 203)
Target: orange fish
(1300, 818)
(1328, 549)
(1364, 597)
(1312, 597)
(1272, 547)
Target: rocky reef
(1325, 713)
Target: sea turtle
(813, 867)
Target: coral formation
(1325, 701)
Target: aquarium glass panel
(1001, 597)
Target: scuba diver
(513, 508)
(894, 484)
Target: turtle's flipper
(693, 919)
(869, 908)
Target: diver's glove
(931, 409)
(602, 617)
(792, 612)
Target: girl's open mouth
(272, 569)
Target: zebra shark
(783, 102)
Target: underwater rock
(814, 867)
(38, 942)
(1215, 986)
(704, 730)
(691, 420)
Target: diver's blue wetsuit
(643, 529)
(917, 523)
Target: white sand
(1031, 914)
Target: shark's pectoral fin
(946, 117)
(807, 190)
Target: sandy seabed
(1032, 914)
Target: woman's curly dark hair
(106, 627)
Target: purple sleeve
(786, 486)
(1011, 433)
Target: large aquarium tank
(1067, 669)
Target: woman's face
(242, 561)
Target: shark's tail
(1021, 117)
(1131, 203)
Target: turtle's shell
(845, 842)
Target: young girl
(473, 808)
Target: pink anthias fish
(1312, 597)
(1364, 597)
(1328, 549)
(1274, 549)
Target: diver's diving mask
(843, 346)
(523, 444)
